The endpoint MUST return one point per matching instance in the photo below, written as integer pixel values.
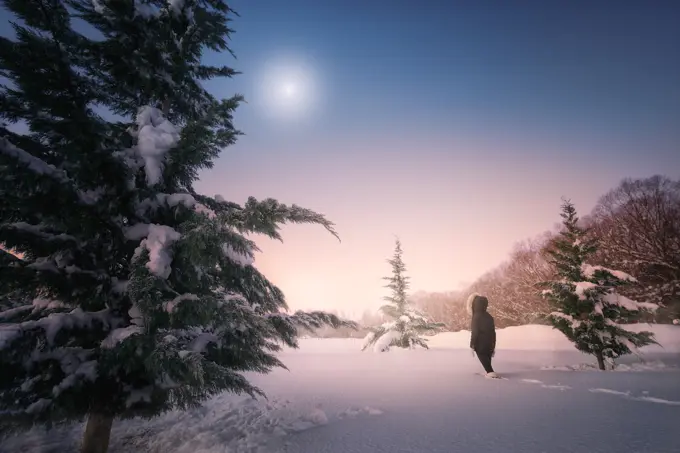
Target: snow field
(336, 399)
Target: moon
(288, 88)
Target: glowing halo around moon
(287, 89)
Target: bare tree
(444, 307)
(512, 286)
(639, 226)
(526, 269)
(494, 285)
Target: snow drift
(337, 399)
(522, 338)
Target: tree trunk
(97, 433)
(600, 361)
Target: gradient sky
(456, 125)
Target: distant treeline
(638, 224)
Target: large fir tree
(127, 293)
(408, 324)
(588, 310)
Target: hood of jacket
(468, 303)
(479, 304)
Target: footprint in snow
(556, 387)
(547, 386)
(627, 395)
(532, 381)
(354, 412)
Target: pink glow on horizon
(458, 214)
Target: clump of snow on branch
(368, 340)
(91, 196)
(39, 230)
(203, 209)
(137, 231)
(138, 395)
(158, 240)
(575, 324)
(404, 331)
(118, 335)
(383, 343)
(622, 301)
(34, 164)
(136, 317)
(55, 323)
(34, 307)
(75, 371)
(146, 10)
(590, 271)
(582, 287)
(12, 312)
(243, 259)
(202, 340)
(119, 286)
(170, 306)
(41, 167)
(173, 200)
(155, 137)
(39, 406)
(98, 6)
(176, 6)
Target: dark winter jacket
(483, 337)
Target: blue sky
(596, 74)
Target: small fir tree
(588, 309)
(408, 324)
(127, 293)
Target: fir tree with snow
(587, 308)
(407, 324)
(128, 293)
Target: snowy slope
(521, 338)
(336, 399)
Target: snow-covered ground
(336, 399)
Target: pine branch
(265, 216)
(288, 325)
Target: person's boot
(492, 375)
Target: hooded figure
(483, 338)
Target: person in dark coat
(483, 338)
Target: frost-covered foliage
(587, 306)
(639, 223)
(408, 323)
(127, 293)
